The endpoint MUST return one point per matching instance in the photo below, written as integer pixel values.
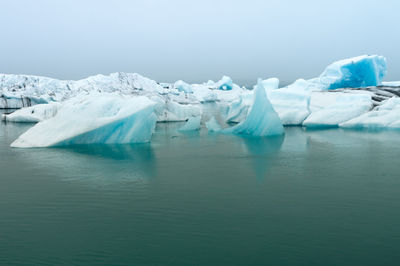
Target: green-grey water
(320, 197)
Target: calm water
(325, 197)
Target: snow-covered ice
(107, 118)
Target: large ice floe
(124, 107)
(94, 119)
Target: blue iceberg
(225, 84)
(109, 119)
(262, 119)
(356, 72)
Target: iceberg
(386, 115)
(329, 109)
(225, 84)
(105, 118)
(237, 110)
(33, 114)
(193, 124)
(262, 119)
(168, 110)
(180, 85)
(355, 72)
(361, 71)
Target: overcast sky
(194, 40)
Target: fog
(194, 40)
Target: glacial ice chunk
(225, 84)
(361, 71)
(168, 110)
(33, 114)
(192, 124)
(386, 115)
(262, 119)
(329, 109)
(109, 119)
(180, 85)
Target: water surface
(310, 197)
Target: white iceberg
(329, 109)
(109, 119)
(33, 114)
(168, 110)
(386, 115)
(262, 119)
(180, 85)
(193, 124)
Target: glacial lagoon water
(311, 197)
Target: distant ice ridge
(106, 118)
(49, 89)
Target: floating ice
(192, 124)
(361, 71)
(225, 84)
(262, 119)
(237, 110)
(386, 115)
(33, 114)
(171, 111)
(180, 85)
(329, 109)
(95, 119)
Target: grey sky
(194, 40)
